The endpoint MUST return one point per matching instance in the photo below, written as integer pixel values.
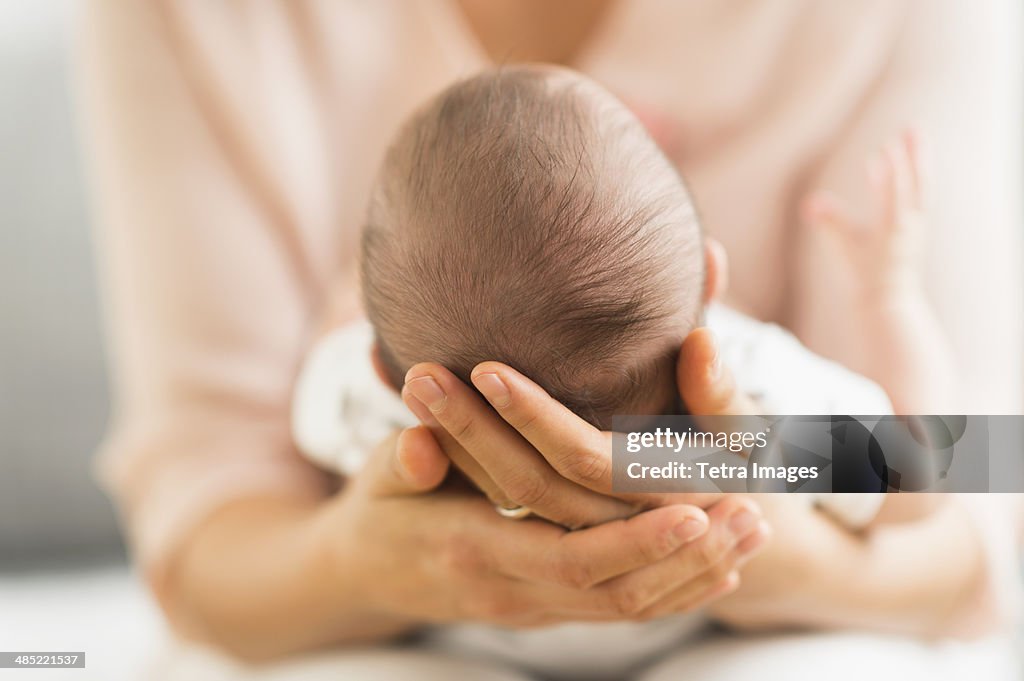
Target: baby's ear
(716, 270)
(380, 368)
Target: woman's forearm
(251, 580)
(909, 578)
(914, 578)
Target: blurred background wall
(53, 395)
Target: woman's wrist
(341, 576)
(908, 579)
(785, 585)
(253, 581)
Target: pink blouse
(233, 146)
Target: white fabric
(341, 410)
(108, 613)
(103, 611)
(770, 364)
(837, 656)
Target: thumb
(705, 383)
(412, 463)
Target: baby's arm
(902, 346)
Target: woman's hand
(531, 451)
(396, 554)
(267, 575)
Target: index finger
(522, 475)
(573, 447)
(578, 450)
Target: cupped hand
(401, 554)
(527, 449)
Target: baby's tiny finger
(880, 177)
(917, 159)
(902, 184)
(877, 172)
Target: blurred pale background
(64, 583)
(53, 395)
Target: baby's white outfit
(341, 410)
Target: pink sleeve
(210, 272)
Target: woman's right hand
(398, 554)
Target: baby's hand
(886, 248)
(899, 342)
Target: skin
(341, 569)
(524, 448)
(906, 352)
(396, 549)
(814, 573)
(403, 544)
(534, 30)
(570, 483)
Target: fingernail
(715, 370)
(428, 391)
(419, 409)
(690, 529)
(494, 389)
(743, 522)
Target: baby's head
(525, 216)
